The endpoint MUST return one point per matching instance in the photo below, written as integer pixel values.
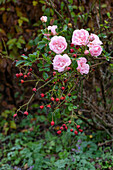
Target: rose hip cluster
(24, 76)
(53, 99)
(64, 127)
(22, 113)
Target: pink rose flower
(58, 44)
(95, 50)
(43, 19)
(80, 37)
(61, 62)
(83, 68)
(86, 52)
(52, 29)
(94, 40)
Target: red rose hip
(52, 123)
(26, 113)
(71, 130)
(57, 99)
(52, 99)
(42, 95)
(75, 132)
(71, 50)
(59, 132)
(62, 88)
(78, 126)
(80, 130)
(41, 107)
(14, 115)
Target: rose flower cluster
(80, 38)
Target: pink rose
(52, 29)
(86, 52)
(83, 68)
(61, 62)
(95, 50)
(58, 44)
(94, 40)
(43, 19)
(80, 37)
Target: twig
(106, 142)
(51, 3)
(69, 13)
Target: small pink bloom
(61, 62)
(47, 35)
(86, 52)
(95, 50)
(58, 44)
(52, 29)
(80, 37)
(83, 68)
(43, 19)
(94, 40)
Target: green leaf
(31, 43)
(19, 62)
(108, 14)
(22, 41)
(17, 160)
(72, 14)
(24, 57)
(70, 107)
(41, 44)
(59, 148)
(74, 64)
(30, 161)
(47, 69)
(33, 56)
(74, 97)
(36, 40)
(27, 63)
(65, 28)
(24, 19)
(61, 163)
(42, 1)
(45, 75)
(11, 41)
(18, 45)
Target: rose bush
(72, 55)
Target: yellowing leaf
(20, 22)
(12, 125)
(4, 17)
(35, 3)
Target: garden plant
(65, 117)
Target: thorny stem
(66, 2)
(51, 3)
(5, 46)
(33, 95)
(66, 96)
